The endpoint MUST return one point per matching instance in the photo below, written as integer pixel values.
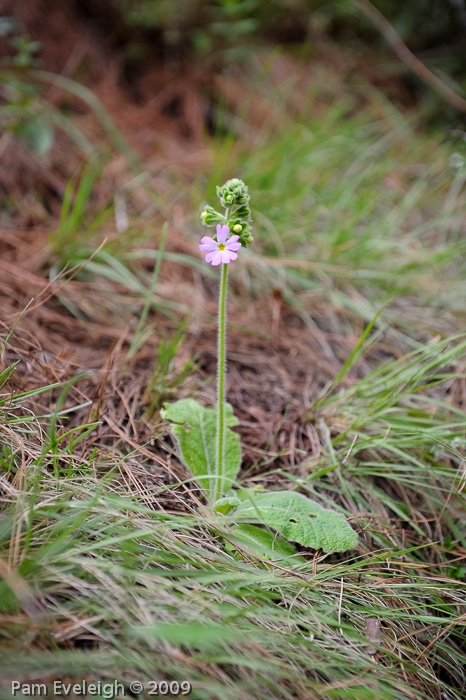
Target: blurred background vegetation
(139, 47)
(226, 30)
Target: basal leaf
(266, 544)
(300, 520)
(195, 428)
(225, 504)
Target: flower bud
(250, 239)
(211, 217)
(242, 228)
(243, 213)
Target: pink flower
(223, 250)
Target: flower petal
(216, 258)
(232, 245)
(210, 255)
(222, 233)
(207, 244)
(228, 256)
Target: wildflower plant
(211, 449)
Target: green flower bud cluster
(233, 192)
(234, 196)
(242, 229)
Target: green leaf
(37, 135)
(264, 543)
(300, 520)
(194, 428)
(225, 504)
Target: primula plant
(211, 449)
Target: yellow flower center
(221, 246)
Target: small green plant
(22, 111)
(164, 380)
(209, 447)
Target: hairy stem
(221, 372)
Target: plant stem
(221, 372)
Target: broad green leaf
(225, 504)
(264, 543)
(195, 428)
(300, 520)
(37, 135)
